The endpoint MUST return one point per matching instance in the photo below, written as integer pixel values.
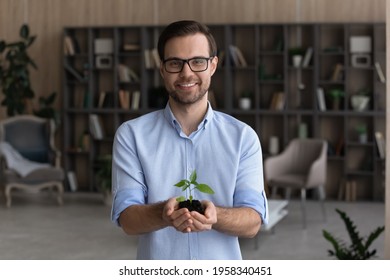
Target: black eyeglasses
(196, 64)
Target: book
(72, 181)
(380, 142)
(379, 71)
(127, 47)
(307, 57)
(124, 99)
(240, 56)
(75, 73)
(68, 46)
(337, 74)
(277, 101)
(135, 99)
(237, 56)
(126, 74)
(321, 99)
(102, 96)
(233, 55)
(95, 127)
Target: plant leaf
(181, 183)
(204, 188)
(180, 199)
(193, 177)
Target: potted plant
(103, 174)
(359, 247)
(335, 95)
(361, 100)
(191, 184)
(245, 101)
(361, 130)
(14, 72)
(296, 54)
(46, 109)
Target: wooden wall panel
(48, 17)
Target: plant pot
(194, 206)
(363, 138)
(359, 102)
(297, 60)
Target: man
(157, 150)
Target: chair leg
(7, 193)
(60, 190)
(303, 206)
(274, 191)
(321, 192)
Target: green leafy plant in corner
(359, 247)
(46, 109)
(191, 184)
(14, 72)
(103, 173)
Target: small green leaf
(204, 188)
(180, 199)
(193, 177)
(181, 183)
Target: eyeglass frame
(188, 63)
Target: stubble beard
(189, 99)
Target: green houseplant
(46, 109)
(14, 72)
(191, 184)
(103, 174)
(336, 96)
(359, 247)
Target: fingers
(180, 219)
(184, 221)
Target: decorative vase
(360, 102)
(245, 103)
(297, 60)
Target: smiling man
(153, 152)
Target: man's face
(188, 87)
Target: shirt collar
(172, 120)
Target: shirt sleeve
(250, 180)
(128, 187)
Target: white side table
(276, 212)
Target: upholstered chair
(302, 166)
(29, 159)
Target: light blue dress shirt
(151, 154)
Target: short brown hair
(183, 28)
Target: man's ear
(161, 69)
(214, 65)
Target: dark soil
(195, 206)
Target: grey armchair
(302, 165)
(34, 164)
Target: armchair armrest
(317, 171)
(276, 165)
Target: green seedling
(191, 184)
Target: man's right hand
(180, 219)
